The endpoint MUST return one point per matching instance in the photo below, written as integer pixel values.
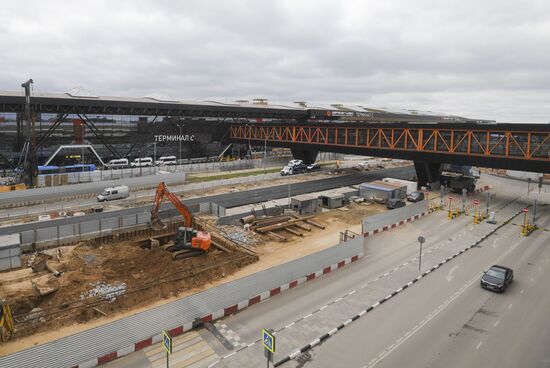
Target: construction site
(110, 276)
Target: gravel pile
(105, 291)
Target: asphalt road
(233, 199)
(447, 320)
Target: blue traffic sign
(167, 341)
(268, 341)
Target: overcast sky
(486, 59)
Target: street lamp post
(179, 138)
(421, 240)
(265, 152)
(155, 158)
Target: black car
(313, 167)
(395, 203)
(300, 168)
(497, 278)
(415, 197)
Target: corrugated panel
(81, 347)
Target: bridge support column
(427, 173)
(308, 156)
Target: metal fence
(393, 216)
(87, 345)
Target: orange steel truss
(524, 145)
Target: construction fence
(87, 345)
(394, 216)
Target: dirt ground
(145, 275)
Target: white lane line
(438, 310)
(290, 325)
(510, 306)
(323, 307)
(521, 291)
(496, 323)
(478, 345)
(309, 315)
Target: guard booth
(332, 200)
(306, 204)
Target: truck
(458, 177)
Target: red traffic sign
(476, 202)
(526, 210)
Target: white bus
(167, 160)
(144, 161)
(117, 163)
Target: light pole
(265, 152)
(288, 191)
(421, 240)
(155, 158)
(179, 138)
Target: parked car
(497, 278)
(293, 163)
(395, 203)
(361, 166)
(416, 197)
(112, 193)
(117, 163)
(167, 160)
(313, 167)
(144, 161)
(287, 170)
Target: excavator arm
(164, 191)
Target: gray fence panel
(89, 344)
(46, 234)
(27, 237)
(66, 230)
(89, 227)
(128, 221)
(391, 217)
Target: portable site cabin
(10, 252)
(332, 200)
(411, 185)
(306, 204)
(382, 190)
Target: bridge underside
(424, 156)
(523, 147)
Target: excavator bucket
(158, 225)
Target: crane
(189, 242)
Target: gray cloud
(485, 59)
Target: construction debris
(104, 291)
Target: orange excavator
(189, 242)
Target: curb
(330, 333)
(231, 309)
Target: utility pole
(155, 157)
(179, 138)
(421, 240)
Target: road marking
(450, 273)
(494, 244)
(522, 290)
(478, 345)
(438, 310)
(496, 323)
(510, 306)
(532, 279)
(540, 268)
(309, 315)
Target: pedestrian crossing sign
(268, 340)
(167, 341)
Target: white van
(112, 193)
(167, 160)
(117, 163)
(144, 161)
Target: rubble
(105, 291)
